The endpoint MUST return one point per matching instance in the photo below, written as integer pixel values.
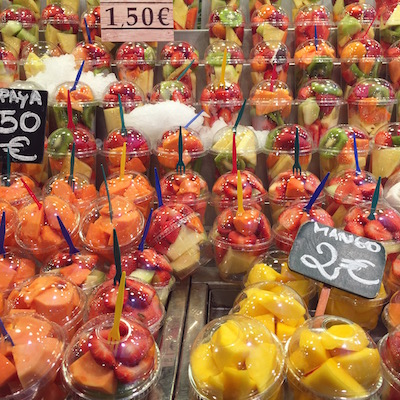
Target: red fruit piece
(238, 239)
(396, 273)
(376, 231)
(140, 294)
(390, 219)
(127, 375)
(246, 222)
(355, 228)
(101, 352)
(290, 218)
(383, 138)
(320, 215)
(393, 350)
(131, 351)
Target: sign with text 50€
(138, 20)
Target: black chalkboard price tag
(22, 124)
(339, 259)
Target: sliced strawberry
(101, 351)
(390, 219)
(161, 278)
(376, 231)
(173, 234)
(348, 192)
(238, 239)
(110, 298)
(290, 218)
(141, 371)
(367, 190)
(89, 261)
(383, 138)
(356, 214)
(355, 228)
(128, 264)
(132, 350)
(396, 269)
(393, 350)
(264, 228)
(311, 183)
(320, 215)
(295, 188)
(161, 246)
(140, 294)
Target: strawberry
(140, 293)
(393, 350)
(264, 228)
(390, 219)
(383, 138)
(238, 239)
(320, 215)
(376, 231)
(290, 218)
(355, 228)
(127, 375)
(101, 352)
(348, 192)
(110, 298)
(132, 350)
(173, 234)
(295, 188)
(128, 264)
(367, 190)
(161, 278)
(356, 214)
(396, 269)
(311, 183)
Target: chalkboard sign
(22, 124)
(339, 259)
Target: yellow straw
(123, 161)
(222, 81)
(239, 194)
(114, 333)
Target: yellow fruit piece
(260, 364)
(344, 336)
(216, 385)
(363, 366)
(262, 273)
(252, 307)
(237, 384)
(284, 332)
(268, 320)
(302, 287)
(202, 364)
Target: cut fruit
(186, 240)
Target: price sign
(339, 259)
(136, 20)
(22, 124)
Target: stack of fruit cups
(392, 191)
(393, 58)
(390, 25)
(171, 91)
(336, 149)
(12, 220)
(391, 312)
(13, 190)
(9, 70)
(236, 357)
(331, 358)
(271, 104)
(185, 14)
(97, 58)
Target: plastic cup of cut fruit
(330, 358)
(288, 188)
(391, 312)
(224, 191)
(171, 91)
(96, 56)
(336, 149)
(186, 18)
(133, 186)
(385, 155)
(12, 220)
(13, 190)
(389, 25)
(167, 151)
(279, 148)
(393, 58)
(236, 357)
(264, 57)
(214, 56)
(8, 65)
(392, 191)
(73, 4)
(131, 97)
(239, 238)
(189, 189)
(29, 368)
(96, 229)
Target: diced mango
(268, 321)
(262, 273)
(202, 364)
(216, 385)
(345, 336)
(237, 384)
(284, 332)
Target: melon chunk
(7, 370)
(75, 274)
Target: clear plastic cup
(141, 303)
(135, 63)
(336, 149)
(134, 186)
(389, 25)
(138, 151)
(319, 104)
(385, 155)
(167, 151)
(288, 188)
(333, 358)
(247, 148)
(96, 229)
(393, 58)
(338, 8)
(264, 56)
(33, 6)
(271, 104)
(235, 4)
(392, 191)
(39, 232)
(176, 231)
(175, 57)
(279, 148)
(221, 102)
(226, 23)
(391, 312)
(131, 97)
(73, 4)
(30, 367)
(187, 19)
(290, 221)
(12, 219)
(236, 357)
(214, 56)
(13, 190)
(189, 188)
(298, 4)
(256, 4)
(9, 71)
(269, 22)
(96, 56)
(280, 308)
(239, 239)
(347, 189)
(274, 267)
(171, 91)
(52, 296)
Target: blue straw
(158, 188)
(375, 199)
(358, 169)
(146, 230)
(87, 31)
(67, 237)
(315, 195)
(193, 119)
(107, 191)
(315, 37)
(3, 233)
(117, 259)
(78, 76)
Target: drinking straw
(315, 195)
(34, 198)
(239, 117)
(121, 114)
(78, 76)
(114, 335)
(158, 188)
(71, 125)
(369, 26)
(117, 258)
(123, 161)
(375, 199)
(87, 31)
(222, 80)
(146, 230)
(240, 209)
(71, 167)
(234, 156)
(193, 119)
(3, 233)
(67, 237)
(315, 37)
(358, 169)
(107, 191)
(183, 73)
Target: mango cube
(237, 384)
(202, 363)
(345, 336)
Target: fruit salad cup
(236, 357)
(313, 62)
(280, 308)
(311, 18)
(138, 151)
(30, 367)
(319, 106)
(222, 3)
(264, 56)
(167, 151)
(389, 25)
(221, 102)
(393, 58)
(269, 23)
(185, 14)
(13, 190)
(18, 28)
(189, 189)
(392, 191)
(298, 4)
(274, 267)
(214, 56)
(391, 312)
(9, 70)
(256, 4)
(279, 147)
(354, 23)
(370, 104)
(336, 149)
(226, 23)
(171, 91)
(224, 191)
(271, 104)
(96, 229)
(361, 58)
(247, 148)
(330, 358)
(176, 231)
(238, 239)
(385, 155)
(12, 221)
(134, 186)
(60, 26)
(135, 63)
(175, 57)
(59, 146)
(288, 188)
(96, 56)
(291, 219)
(73, 4)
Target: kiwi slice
(230, 18)
(333, 142)
(59, 141)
